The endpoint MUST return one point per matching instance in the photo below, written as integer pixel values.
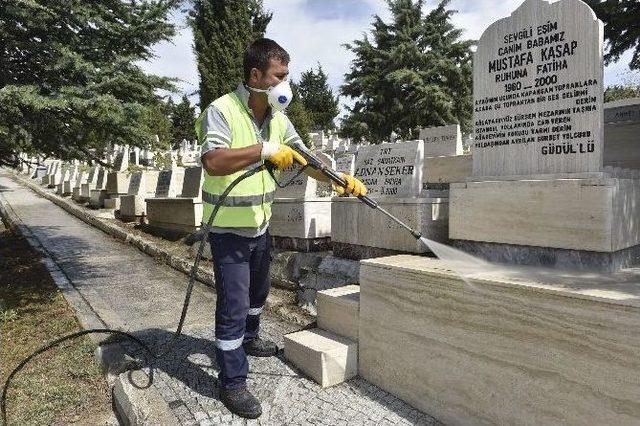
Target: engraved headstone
(192, 185)
(170, 182)
(121, 162)
(346, 164)
(135, 184)
(622, 134)
(537, 83)
(441, 140)
(391, 169)
(298, 184)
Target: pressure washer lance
(336, 178)
(150, 357)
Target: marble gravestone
(83, 177)
(54, 177)
(444, 159)
(537, 83)
(441, 140)
(622, 134)
(86, 187)
(142, 185)
(175, 216)
(346, 164)
(391, 169)
(69, 179)
(98, 193)
(301, 211)
(538, 148)
(392, 174)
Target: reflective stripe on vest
(239, 200)
(248, 204)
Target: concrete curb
(134, 405)
(278, 302)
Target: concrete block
(112, 203)
(454, 168)
(353, 222)
(517, 346)
(118, 182)
(301, 217)
(338, 310)
(132, 206)
(327, 358)
(184, 214)
(97, 197)
(576, 214)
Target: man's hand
(281, 155)
(354, 186)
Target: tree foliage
(299, 116)
(69, 83)
(618, 92)
(318, 99)
(222, 30)
(622, 28)
(409, 73)
(183, 121)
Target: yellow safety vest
(249, 203)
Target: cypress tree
(183, 121)
(222, 29)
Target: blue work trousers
(241, 266)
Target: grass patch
(63, 385)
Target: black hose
(151, 356)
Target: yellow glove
(281, 155)
(354, 186)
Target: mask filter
(278, 96)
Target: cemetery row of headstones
(545, 157)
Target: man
(238, 131)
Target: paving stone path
(128, 289)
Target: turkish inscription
(538, 92)
(391, 169)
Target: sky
(314, 31)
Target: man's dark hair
(259, 53)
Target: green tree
(618, 92)
(318, 99)
(156, 118)
(69, 83)
(411, 73)
(299, 116)
(222, 29)
(183, 121)
(622, 28)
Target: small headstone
(392, 169)
(298, 184)
(122, 160)
(169, 183)
(135, 183)
(537, 86)
(346, 164)
(442, 140)
(624, 111)
(325, 189)
(621, 130)
(192, 185)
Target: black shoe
(241, 402)
(259, 347)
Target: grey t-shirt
(218, 135)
